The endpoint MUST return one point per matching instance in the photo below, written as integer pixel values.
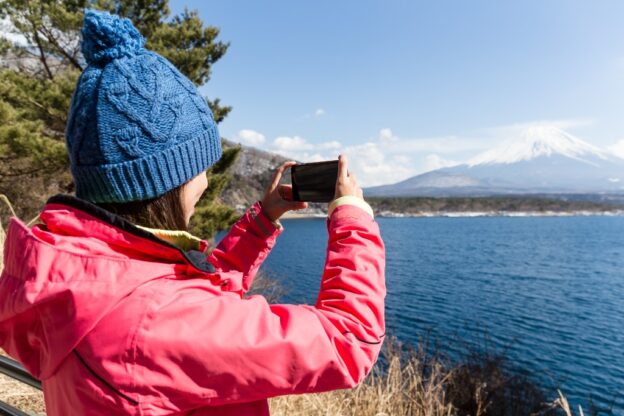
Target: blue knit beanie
(137, 127)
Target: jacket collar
(111, 227)
(179, 238)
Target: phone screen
(314, 182)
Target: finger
(297, 205)
(353, 178)
(279, 172)
(285, 192)
(342, 167)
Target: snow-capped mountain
(539, 141)
(544, 159)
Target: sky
(402, 87)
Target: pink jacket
(115, 320)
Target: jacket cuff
(264, 223)
(349, 200)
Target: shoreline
(468, 214)
(290, 215)
(471, 214)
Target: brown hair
(164, 212)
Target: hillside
(251, 174)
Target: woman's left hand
(278, 198)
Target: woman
(119, 310)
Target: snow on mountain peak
(536, 141)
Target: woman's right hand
(346, 183)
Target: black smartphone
(314, 182)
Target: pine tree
(38, 71)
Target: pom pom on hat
(106, 37)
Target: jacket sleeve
(246, 245)
(227, 349)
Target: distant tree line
(417, 205)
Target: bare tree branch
(48, 34)
(42, 56)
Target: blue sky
(405, 86)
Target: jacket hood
(61, 277)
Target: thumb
(342, 167)
(297, 205)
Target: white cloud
(296, 143)
(319, 112)
(298, 148)
(386, 135)
(373, 166)
(250, 137)
(618, 148)
(367, 160)
(433, 162)
(441, 144)
(329, 145)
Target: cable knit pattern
(137, 127)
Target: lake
(548, 290)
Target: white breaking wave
(536, 141)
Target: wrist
(265, 224)
(349, 200)
(274, 220)
(265, 212)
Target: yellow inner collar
(180, 238)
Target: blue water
(547, 290)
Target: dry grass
(562, 403)
(413, 384)
(410, 384)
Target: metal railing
(13, 369)
(8, 410)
